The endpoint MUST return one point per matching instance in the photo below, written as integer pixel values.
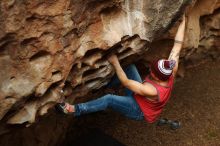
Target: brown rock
(50, 46)
(46, 44)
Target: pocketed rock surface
(53, 45)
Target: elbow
(125, 82)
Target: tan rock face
(201, 37)
(46, 44)
(53, 45)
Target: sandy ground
(195, 102)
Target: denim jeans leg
(122, 104)
(127, 106)
(114, 82)
(98, 104)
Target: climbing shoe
(173, 124)
(64, 108)
(162, 121)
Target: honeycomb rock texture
(46, 44)
(51, 46)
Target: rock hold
(44, 45)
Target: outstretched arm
(175, 53)
(136, 87)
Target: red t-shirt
(152, 109)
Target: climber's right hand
(113, 59)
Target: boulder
(57, 50)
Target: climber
(142, 100)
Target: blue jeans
(126, 105)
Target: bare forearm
(120, 73)
(174, 55)
(135, 86)
(175, 52)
